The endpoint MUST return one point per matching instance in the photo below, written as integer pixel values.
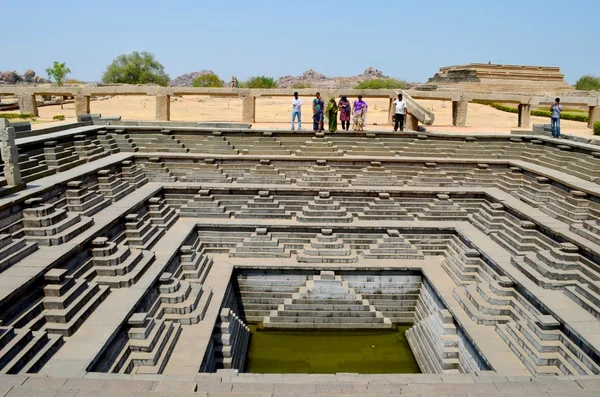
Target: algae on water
(325, 352)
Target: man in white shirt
(297, 111)
(400, 105)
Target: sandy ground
(275, 113)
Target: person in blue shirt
(556, 108)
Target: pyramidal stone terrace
(152, 259)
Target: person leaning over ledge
(556, 108)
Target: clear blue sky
(405, 39)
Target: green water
(313, 352)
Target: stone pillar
(28, 105)
(10, 156)
(411, 122)
(248, 109)
(459, 113)
(524, 115)
(82, 104)
(163, 107)
(593, 116)
(391, 111)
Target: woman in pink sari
(360, 114)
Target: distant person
(297, 111)
(359, 109)
(318, 113)
(331, 111)
(345, 111)
(400, 113)
(556, 108)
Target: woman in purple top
(360, 114)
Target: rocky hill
(317, 80)
(186, 80)
(29, 77)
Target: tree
(588, 83)
(136, 68)
(207, 80)
(58, 72)
(260, 82)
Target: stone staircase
(12, 251)
(260, 244)
(544, 349)
(180, 301)
(123, 141)
(230, 342)
(108, 142)
(26, 351)
(33, 168)
(131, 174)
(322, 176)
(204, 205)
(156, 171)
(88, 149)
(393, 246)
(113, 187)
(324, 208)
(60, 159)
(264, 173)
(148, 347)
(66, 304)
(46, 225)
(260, 293)
(326, 302)
(116, 265)
(141, 232)
(84, 201)
(263, 206)
(327, 248)
(164, 142)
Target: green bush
(260, 82)
(381, 84)
(207, 80)
(504, 108)
(136, 68)
(572, 115)
(588, 83)
(300, 86)
(565, 116)
(59, 117)
(597, 128)
(10, 116)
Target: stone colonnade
(27, 104)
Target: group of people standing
(357, 113)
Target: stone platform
(135, 257)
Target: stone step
(76, 314)
(14, 252)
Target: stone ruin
(535, 80)
(135, 257)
